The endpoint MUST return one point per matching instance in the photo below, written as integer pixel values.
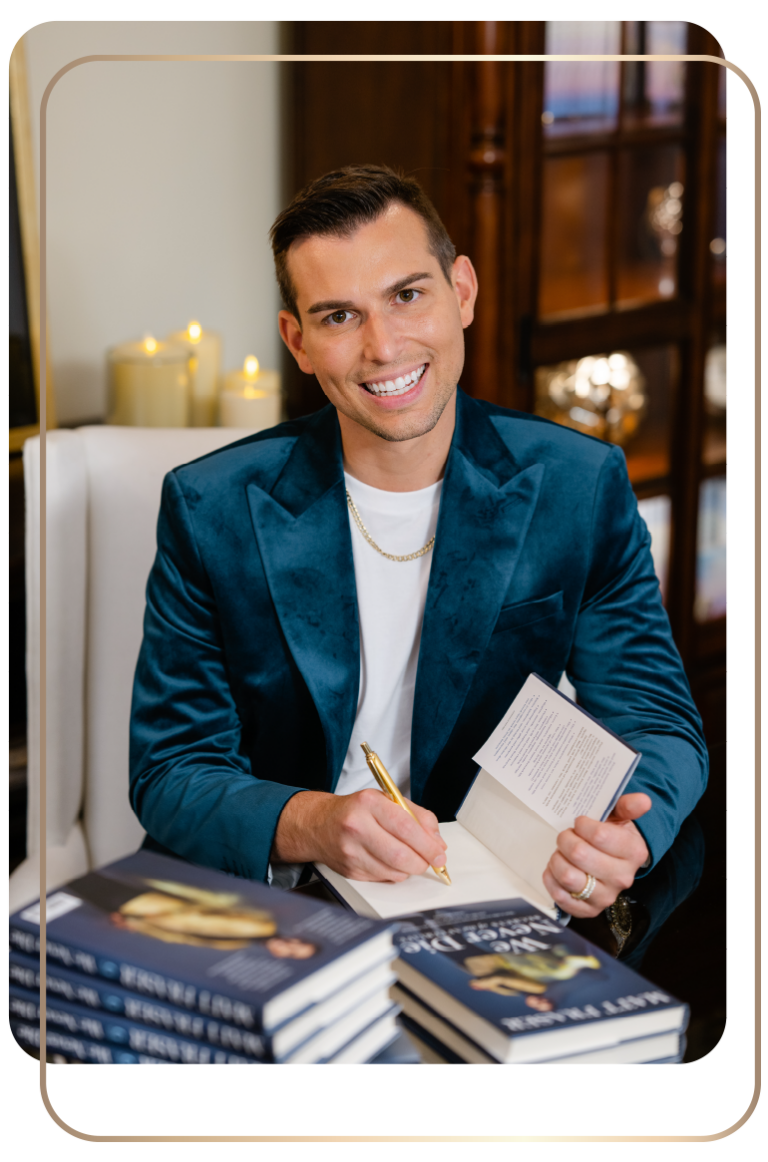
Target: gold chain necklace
(390, 556)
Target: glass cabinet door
(651, 187)
(627, 223)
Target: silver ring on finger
(587, 890)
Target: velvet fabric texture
(247, 682)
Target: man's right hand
(364, 836)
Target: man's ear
(464, 282)
(291, 334)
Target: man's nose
(381, 343)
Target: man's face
(381, 327)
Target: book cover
(120, 1031)
(81, 1049)
(371, 1043)
(104, 996)
(448, 1042)
(435, 1052)
(234, 950)
(524, 987)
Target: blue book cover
(232, 949)
(105, 997)
(58, 1041)
(116, 1030)
(522, 986)
(452, 1059)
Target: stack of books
(503, 982)
(487, 970)
(152, 960)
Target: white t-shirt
(390, 601)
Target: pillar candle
(204, 365)
(251, 398)
(149, 384)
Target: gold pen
(390, 789)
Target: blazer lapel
(302, 530)
(485, 510)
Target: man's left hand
(611, 851)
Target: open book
(546, 763)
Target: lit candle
(251, 398)
(204, 366)
(149, 384)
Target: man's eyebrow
(404, 282)
(347, 304)
(330, 305)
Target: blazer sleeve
(626, 668)
(191, 785)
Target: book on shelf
(519, 987)
(547, 762)
(278, 966)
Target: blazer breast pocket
(525, 613)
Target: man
(390, 570)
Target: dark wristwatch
(619, 917)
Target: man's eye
(337, 318)
(408, 296)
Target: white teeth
(399, 386)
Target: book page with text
(556, 758)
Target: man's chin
(396, 427)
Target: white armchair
(102, 500)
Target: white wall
(163, 181)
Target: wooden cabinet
(591, 201)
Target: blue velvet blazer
(247, 682)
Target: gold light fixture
(602, 395)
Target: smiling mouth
(399, 386)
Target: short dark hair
(338, 203)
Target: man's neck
(398, 465)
